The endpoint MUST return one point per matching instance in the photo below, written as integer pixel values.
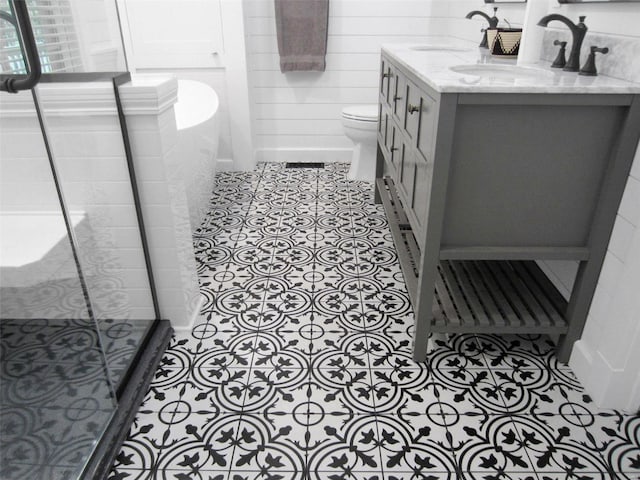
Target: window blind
(53, 27)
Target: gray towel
(302, 34)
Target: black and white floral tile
(301, 368)
(55, 398)
(58, 367)
(57, 384)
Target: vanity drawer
(398, 99)
(421, 196)
(395, 147)
(405, 176)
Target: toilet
(360, 124)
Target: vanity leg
(604, 217)
(423, 307)
(578, 308)
(379, 173)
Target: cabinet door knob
(396, 98)
(413, 108)
(394, 149)
(387, 75)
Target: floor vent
(305, 165)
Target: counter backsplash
(622, 61)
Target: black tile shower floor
(300, 366)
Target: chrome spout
(578, 32)
(493, 23)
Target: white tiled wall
(159, 170)
(87, 144)
(91, 166)
(297, 115)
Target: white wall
(297, 115)
(99, 36)
(188, 39)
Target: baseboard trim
(326, 155)
(607, 386)
(224, 165)
(195, 314)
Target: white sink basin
(501, 72)
(436, 48)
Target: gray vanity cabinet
(478, 186)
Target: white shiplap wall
(296, 116)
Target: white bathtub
(34, 247)
(197, 145)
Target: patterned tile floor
(301, 368)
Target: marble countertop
(503, 75)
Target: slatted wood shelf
(496, 297)
(478, 296)
(406, 245)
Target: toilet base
(363, 163)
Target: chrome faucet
(493, 23)
(578, 32)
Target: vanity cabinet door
(395, 149)
(398, 99)
(421, 196)
(385, 80)
(425, 140)
(420, 118)
(383, 126)
(405, 177)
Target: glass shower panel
(37, 267)
(87, 143)
(55, 397)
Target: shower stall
(80, 333)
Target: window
(55, 34)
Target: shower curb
(100, 463)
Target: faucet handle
(560, 60)
(589, 68)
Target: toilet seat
(361, 113)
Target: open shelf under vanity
(477, 296)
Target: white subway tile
(161, 237)
(630, 204)
(86, 144)
(131, 278)
(146, 143)
(621, 237)
(635, 168)
(126, 238)
(149, 168)
(154, 193)
(610, 275)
